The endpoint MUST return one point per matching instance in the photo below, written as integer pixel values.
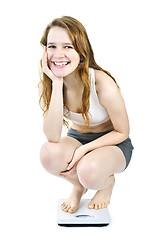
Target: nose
(59, 53)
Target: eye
(51, 46)
(69, 47)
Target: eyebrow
(63, 43)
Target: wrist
(57, 83)
(85, 148)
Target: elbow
(126, 131)
(53, 140)
(51, 137)
(126, 134)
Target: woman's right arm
(53, 118)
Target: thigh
(104, 161)
(68, 144)
(65, 148)
(56, 156)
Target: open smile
(60, 64)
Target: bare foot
(72, 203)
(102, 197)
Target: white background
(125, 38)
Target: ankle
(78, 187)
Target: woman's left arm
(110, 98)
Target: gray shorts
(126, 146)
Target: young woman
(74, 87)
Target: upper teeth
(60, 64)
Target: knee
(50, 153)
(86, 171)
(46, 153)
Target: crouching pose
(73, 87)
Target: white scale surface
(83, 216)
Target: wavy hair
(82, 45)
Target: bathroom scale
(83, 217)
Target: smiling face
(63, 59)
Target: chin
(58, 74)
(61, 73)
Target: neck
(72, 81)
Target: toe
(72, 210)
(104, 205)
(67, 208)
(91, 206)
(100, 205)
(64, 204)
(96, 206)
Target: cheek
(76, 59)
(49, 53)
(49, 59)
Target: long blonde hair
(82, 45)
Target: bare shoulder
(105, 85)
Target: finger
(44, 59)
(44, 50)
(63, 174)
(66, 173)
(45, 67)
(70, 165)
